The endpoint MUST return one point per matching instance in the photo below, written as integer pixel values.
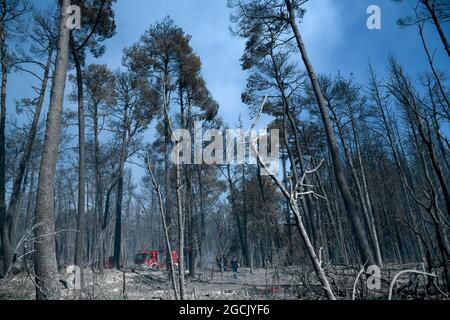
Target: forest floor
(261, 284)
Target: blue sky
(334, 31)
(335, 34)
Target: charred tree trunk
(438, 25)
(11, 218)
(79, 242)
(118, 224)
(171, 263)
(237, 217)
(98, 188)
(104, 224)
(181, 222)
(349, 202)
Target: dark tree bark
(99, 204)
(79, 242)
(237, 217)
(349, 202)
(119, 200)
(104, 224)
(10, 221)
(438, 25)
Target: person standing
(235, 267)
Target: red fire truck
(152, 259)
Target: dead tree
(179, 186)
(347, 197)
(431, 6)
(297, 190)
(45, 41)
(11, 14)
(157, 189)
